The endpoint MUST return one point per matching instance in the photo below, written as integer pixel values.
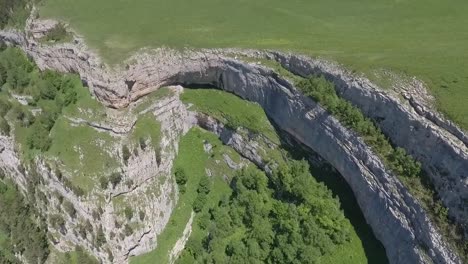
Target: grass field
(231, 110)
(425, 38)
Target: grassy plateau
(424, 38)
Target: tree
(180, 176)
(204, 186)
(115, 178)
(199, 202)
(39, 138)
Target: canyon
(404, 114)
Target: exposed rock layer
(395, 216)
(438, 144)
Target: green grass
(231, 110)
(151, 98)
(426, 38)
(147, 128)
(81, 151)
(71, 257)
(86, 107)
(192, 158)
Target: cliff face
(146, 186)
(437, 143)
(395, 216)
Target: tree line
(22, 231)
(396, 159)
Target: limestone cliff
(396, 218)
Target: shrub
(69, 208)
(100, 237)
(38, 138)
(180, 176)
(125, 154)
(204, 186)
(142, 141)
(128, 213)
(57, 33)
(128, 231)
(115, 178)
(141, 215)
(199, 202)
(103, 181)
(4, 127)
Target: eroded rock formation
(396, 218)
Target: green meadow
(423, 38)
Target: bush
(199, 202)
(180, 176)
(128, 213)
(23, 232)
(204, 186)
(38, 138)
(128, 231)
(288, 218)
(69, 208)
(115, 178)
(57, 33)
(125, 154)
(5, 105)
(141, 215)
(4, 127)
(104, 182)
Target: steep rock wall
(437, 143)
(394, 215)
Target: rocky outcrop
(146, 187)
(396, 218)
(437, 143)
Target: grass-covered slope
(231, 110)
(426, 38)
(195, 161)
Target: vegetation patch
(14, 13)
(77, 256)
(21, 230)
(145, 102)
(56, 34)
(34, 104)
(231, 110)
(212, 195)
(147, 131)
(83, 152)
(396, 159)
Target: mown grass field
(425, 38)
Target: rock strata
(437, 143)
(396, 218)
